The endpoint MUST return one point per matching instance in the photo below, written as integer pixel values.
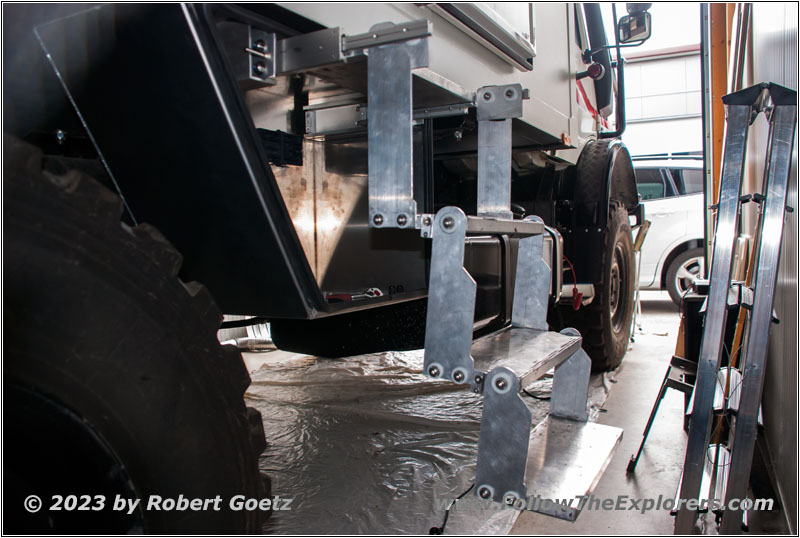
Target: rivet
(377, 219)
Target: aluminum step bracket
(451, 305)
(390, 127)
(495, 107)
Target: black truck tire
(605, 323)
(114, 381)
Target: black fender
(604, 174)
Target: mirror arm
(621, 123)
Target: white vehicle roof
(668, 163)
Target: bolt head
(401, 220)
(458, 376)
(448, 222)
(478, 378)
(510, 93)
(501, 383)
(484, 493)
(260, 68)
(487, 96)
(509, 499)
(433, 371)
(377, 219)
(426, 221)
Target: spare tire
(114, 381)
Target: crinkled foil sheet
(370, 445)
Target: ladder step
(566, 459)
(509, 227)
(529, 353)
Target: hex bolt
(509, 499)
(458, 377)
(500, 383)
(448, 222)
(487, 96)
(510, 93)
(433, 371)
(401, 219)
(377, 219)
(484, 493)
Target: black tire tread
(26, 182)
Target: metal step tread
(566, 459)
(510, 227)
(529, 353)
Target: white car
(672, 253)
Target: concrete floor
(638, 381)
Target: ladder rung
(529, 353)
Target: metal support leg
(503, 444)
(635, 458)
(391, 178)
(532, 285)
(451, 301)
(780, 146)
(713, 335)
(571, 385)
(496, 105)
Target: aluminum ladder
(779, 105)
(563, 456)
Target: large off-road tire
(114, 381)
(605, 323)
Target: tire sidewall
(617, 233)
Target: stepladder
(747, 363)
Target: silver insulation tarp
(370, 445)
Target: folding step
(529, 353)
(566, 459)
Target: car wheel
(684, 270)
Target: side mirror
(632, 8)
(634, 27)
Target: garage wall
(775, 60)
